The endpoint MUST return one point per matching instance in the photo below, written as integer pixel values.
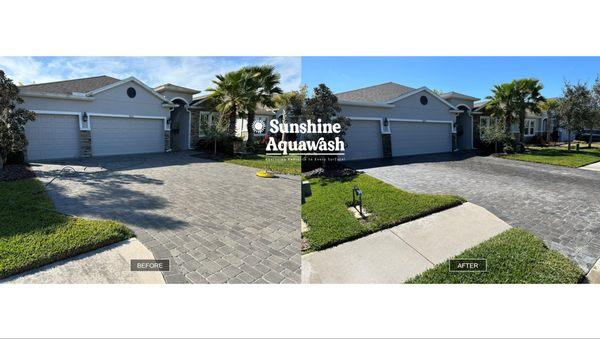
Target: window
(424, 100)
(529, 127)
(131, 92)
(484, 122)
(204, 122)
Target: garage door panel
(363, 140)
(410, 138)
(52, 137)
(113, 136)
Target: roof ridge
(381, 84)
(68, 80)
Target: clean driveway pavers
(558, 204)
(216, 222)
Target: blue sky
(194, 72)
(474, 76)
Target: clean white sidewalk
(401, 252)
(107, 265)
(592, 167)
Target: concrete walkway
(107, 265)
(399, 253)
(593, 275)
(592, 167)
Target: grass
(558, 156)
(513, 257)
(331, 223)
(32, 234)
(289, 164)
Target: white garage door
(420, 138)
(111, 136)
(52, 137)
(363, 140)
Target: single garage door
(52, 137)
(111, 136)
(363, 140)
(420, 138)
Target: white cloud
(194, 72)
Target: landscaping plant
(12, 119)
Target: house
(390, 120)
(103, 115)
(536, 126)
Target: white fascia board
(130, 79)
(54, 96)
(364, 104)
(413, 92)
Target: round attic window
(131, 92)
(424, 100)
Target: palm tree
(527, 100)
(501, 104)
(231, 96)
(262, 85)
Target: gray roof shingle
(83, 85)
(378, 93)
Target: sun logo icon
(258, 126)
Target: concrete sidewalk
(399, 253)
(592, 167)
(107, 265)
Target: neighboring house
(263, 114)
(536, 125)
(106, 116)
(390, 120)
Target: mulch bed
(331, 173)
(16, 172)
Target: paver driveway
(558, 204)
(217, 222)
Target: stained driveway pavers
(558, 204)
(216, 222)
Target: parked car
(585, 135)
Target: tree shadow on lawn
(110, 195)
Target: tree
(291, 105)
(263, 84)
(502, 105)
(324, 105)
(12, 119)
(527, 96)
(551, 107)
(231, 96)
(595, 114)
(238, 93)
(495, 134)
(575, 108)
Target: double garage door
(57, 136)
(363, 139)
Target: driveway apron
(216, 222)
(558, 204)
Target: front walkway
(401, 252)
(216, 222)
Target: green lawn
(558, 156)
(513, 257)
(32, 234)
(289, 164)
(330, 222)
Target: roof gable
(419, 90)
(124, 81)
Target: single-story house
(536, 125)
(102, 115)
(390, 120)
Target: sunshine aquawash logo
(314, 138)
